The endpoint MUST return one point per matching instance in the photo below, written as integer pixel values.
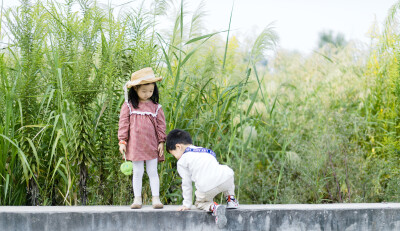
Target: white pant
(151, 169)
(205, 199)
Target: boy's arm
(186, 186)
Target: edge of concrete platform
(374, 216)
(104, 208)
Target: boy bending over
(200, 165)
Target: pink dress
(142, 129)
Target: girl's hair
(134, 98)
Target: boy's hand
(122, 148)
(161, 149)
(183, 208)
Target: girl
(141, 132)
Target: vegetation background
(321, 128)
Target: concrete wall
(249, 217)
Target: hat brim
(130, 84)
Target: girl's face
(145, 91)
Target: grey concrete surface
(327, 217)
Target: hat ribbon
(126, 98)
(136, 81)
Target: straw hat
(142, 76)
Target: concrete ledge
(248, 217)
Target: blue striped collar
(200, 149)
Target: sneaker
(231, 202)
(157, 203)
(219, 212)
(137, 203)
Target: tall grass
(382, 110)
(295, 129)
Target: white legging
(151, 169)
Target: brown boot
(157, 203)
(137, 203)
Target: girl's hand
(161, 149)
(183, 208)
(122, 148)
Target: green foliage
(327, 37)
(316, 129)
(382, 110)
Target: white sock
(151, 169)
(138, 170)
(137, 178)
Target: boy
(200, 165)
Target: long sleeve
(204, 170)
(161, 136)
(186, 186)
(123, 130)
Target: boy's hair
(177, 136)
(134, 98)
